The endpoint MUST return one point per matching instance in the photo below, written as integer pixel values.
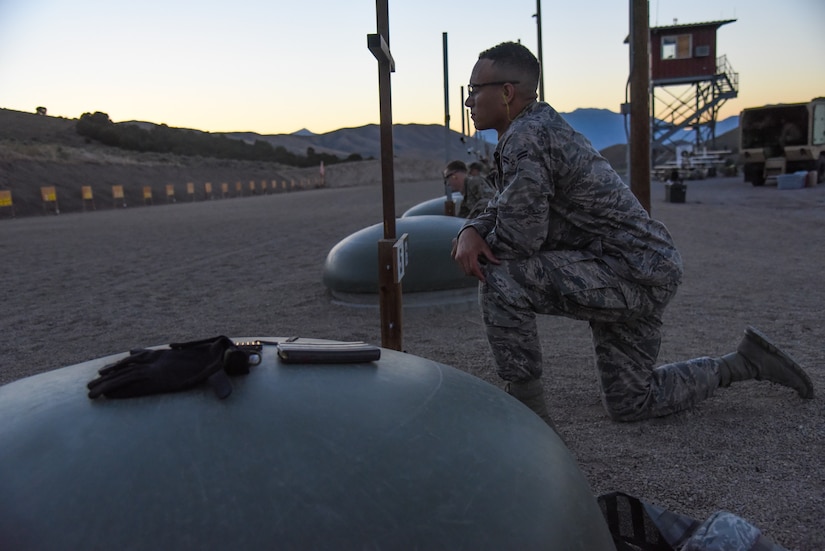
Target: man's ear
(508, 92)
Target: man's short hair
(515, 58)
(455, 166)
(476, 165)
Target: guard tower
(689, 83)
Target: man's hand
(469, 249)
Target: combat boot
(758, 358)
(531, 394)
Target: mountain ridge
(604, 128)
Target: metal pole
(449, 204)
(541, 55)
(446, 101)
(640, 103)
(463, 132)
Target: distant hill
(602, 127)
(424, 141)
(605, 129)
(37, 150)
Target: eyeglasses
(449, 175)
(473, 89)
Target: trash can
(675, 192)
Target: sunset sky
(277, 66)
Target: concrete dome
(351, 265)
(433, 206)
(402, 453)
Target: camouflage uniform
(574, 241)
(477, 193)
(641, 525)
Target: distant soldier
(476, 191)
(565, 236)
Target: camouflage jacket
(477, 193)
(556, 192)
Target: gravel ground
(83, 285)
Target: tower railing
(692, 106)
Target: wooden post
(640, 102)
(389, 290)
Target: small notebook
(333, 352)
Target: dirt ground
(78, 286)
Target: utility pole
(446, 99)
(541, 56)
(449, 204)
(640, 102)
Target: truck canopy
(775, 127)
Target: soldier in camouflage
(475, 190)
(565, 236)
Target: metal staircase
(693, 105)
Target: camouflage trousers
(625, 321)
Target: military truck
(782, 138)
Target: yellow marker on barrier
(117, 193)
(190, 189)
(48, 193)
(224, 189)
(5, 200)
(170, 193)
(207, 189)
(86, 195)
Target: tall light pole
(541, 57)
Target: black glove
(182, 366)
